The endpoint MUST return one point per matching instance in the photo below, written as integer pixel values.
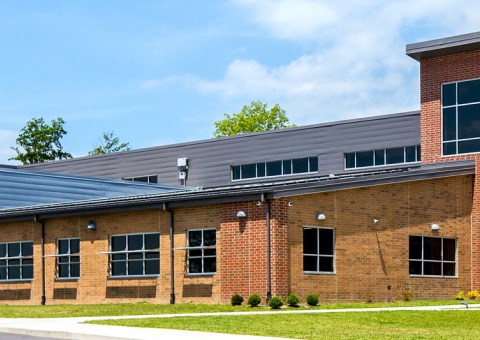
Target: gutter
(42, 245)
(267, 219)
(172, 259)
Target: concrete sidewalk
(74, 328)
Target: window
(68, 258)
(144, 179)
(318, 244)
(461, 117)
(432, 256)
(135, 254)
(404, 154)
(16, 261)
(275, 168)
(202, 253)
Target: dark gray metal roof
(242, 192)
(19, 188)
(210, 160)
(444, 46)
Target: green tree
(39, 142)
(253, 118)
(108, 143)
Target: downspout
(172, 262)
(42, 245)
(267, 219)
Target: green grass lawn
(451, 324)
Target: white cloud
(7, 139)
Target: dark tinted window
(310, 241)
(379, 157)
(326, 241)
(313, 164)
(395, 155)
(287, 167)
(350, 160)
(469, 121)
(261, 169)
(300, 165)
(274, 168)
(236, 172)
(249, 171)
(469, 146)
(410, 154)
(449, 94)
(469, 91)
(364, 159)
(449, 124)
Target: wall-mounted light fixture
(290, 203)
(91, 225)
(435, 227)
(241, 213)
(320, 217)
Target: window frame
(127, 253)
(21, 258)
(318, 255)
(148, 177)
(202, 248)
(385, 158)
(441, 261)
(69, 255)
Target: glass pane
(236, 172)
(415, 248)
(75, 270)
(63, 270)
(326, 241)
(194, 266)
(194, 238)
(14, 262)
(152, 241)
(119, 243)
(3, 273)
(152, 255)
(449, 249)
(449, 94)
(119, 257)
(27, 262)
(364, 159)
(449, 124)
(450, 148)
(274, 168)
(469, 146)
(469, 121)
(468, 91)
(395, 156)
(415, 268)
(449, 269)
(135, 242)
(410, 154)
(209, 237)
(14, 272)
(432, 268)
(3, 250)
(210, 265)
(310, 239)
(260, 169)
(119, 268)
(63, 259)
(419, 153)
(74, 246)
(75, 259)
(210, 252)
(300, 165)
(313, 164)
(249, 171)
(287, 167)
(27, 272)
(14, 249)
(135, 267)
(195, 253)
(350, 160)
(135, 256)
(432, 248)
(310, 263)
(326, 264)
(63, 246)
(141, 179)
(152, 267)
(152, 179)
(379, 157)
(27, 248)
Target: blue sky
(162, 72)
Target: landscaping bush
(407, 295)
(275, 302)
(236, 300)
(293, 300)
(460, 295)
(473, 295)
(254, 300)
(312, 299)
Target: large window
(275, 168)
(68, 258)
(16, 261)
(135, 254)
(318, 248)
(404, 154)
(432, 256)
(461, 117)
(202, 252)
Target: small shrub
(293, 300)
(460, 295)
(473, 295)
(275, 302)
(369, 298)
(236, 300)
(407, 295)
(312, 299)
(254, 300)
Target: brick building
(346, 210)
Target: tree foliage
(108, 144)
(39, 142)
(253, 118)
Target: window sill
(433, 277)
(67, 279)
(16, 281)
(200, 274)
(133, 277)
(319, 273)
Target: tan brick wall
(370, 257)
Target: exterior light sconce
(320, 217)
(435, 227)
(91, 225)
(241, 213)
